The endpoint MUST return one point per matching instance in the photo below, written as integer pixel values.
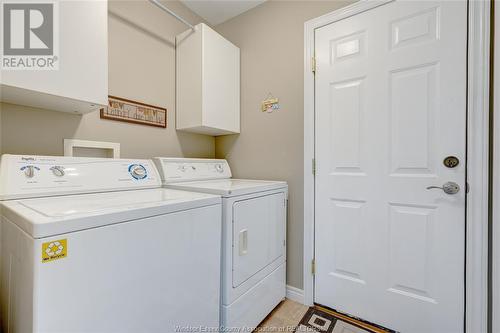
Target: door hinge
(313, 266)
(314, 166)
(313, 65)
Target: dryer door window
(259, 226)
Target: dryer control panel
(24, 176)
(173, 170)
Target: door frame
(495, 219)
(478, 57)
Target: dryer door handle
(243, 242)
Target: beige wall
(270, 146)
(141, 67)
(1, 128)
(141, 60)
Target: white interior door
(390, 107)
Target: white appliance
(253, 235)
(96, 245)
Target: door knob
(448, 188)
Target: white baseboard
(295, 294)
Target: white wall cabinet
(207, 82)
(80, 85)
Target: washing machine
(96, 245)
(254, 214)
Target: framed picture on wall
(126, 110)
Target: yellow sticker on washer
(54, 250)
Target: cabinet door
(207, 82)
(221, 83)
(82, 61)
(258, 234)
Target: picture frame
(126, 110)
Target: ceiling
(216, 11)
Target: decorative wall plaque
(270, 104)
(122, 109)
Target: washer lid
(43, 217)
(229, 187)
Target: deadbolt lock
(451, 162)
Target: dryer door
(259, 226)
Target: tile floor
(284, 318)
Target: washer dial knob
(219, 168)
(138, 171)
(58, 171)
(29, 171)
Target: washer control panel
(191, 169)
(35, 176)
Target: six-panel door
(390, 107)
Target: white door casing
(390, 106)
